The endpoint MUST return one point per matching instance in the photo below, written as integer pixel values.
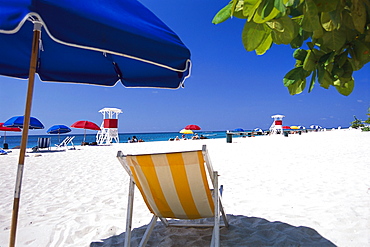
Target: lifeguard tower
(109, 127)
(277, 124)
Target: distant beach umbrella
(185, 131)
(85, 125)
(239, 129)
(315, 127)
(192, 127)
(58, 129)
(286, 127)
(258, 130)
(17, 121)
(295, 127)
(5, 129)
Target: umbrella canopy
(239, 129)
(5, 129)
(185, 131)
(58, 129)
(123, 41)
(85, 125)
(295, 127)
(286, 127)
(86, 41)
(192, 127)
(18, 121)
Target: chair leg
(148, 231)
(216, 230)
(223, 214)
(129, 213)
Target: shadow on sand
(243, 231)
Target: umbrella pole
(26, 124)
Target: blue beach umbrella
(18, 121)
(239, 129)
(86, 41)
(58, 129)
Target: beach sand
(303, 190)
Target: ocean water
(14, 141)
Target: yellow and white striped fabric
(173, 185)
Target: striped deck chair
(43, 142)
(175, 186)
(65, 142)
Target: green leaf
(362, 52)
(237, 9)
(345, 86)
(250, 7)
(312, 83)
(367, 36)
(341, 59)
(346, 20)
(310, 21)
(267, 8)
(300, 54)
(327, 58)
(279, 5)
(297, 42)
(336, 17)
(223, 14)
(324, 78)
(337, 71)
(318, 33)
(326, 22)
(358, 11)
(285, 30)
(293, 76)
(326, 5)
(297, 87)
(253, 35)
(264, 46)
(310, 61)
(265, 12)
(348, 70)
(334, 40)
(295, 80)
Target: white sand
(303, 190)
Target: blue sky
(229, 88)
